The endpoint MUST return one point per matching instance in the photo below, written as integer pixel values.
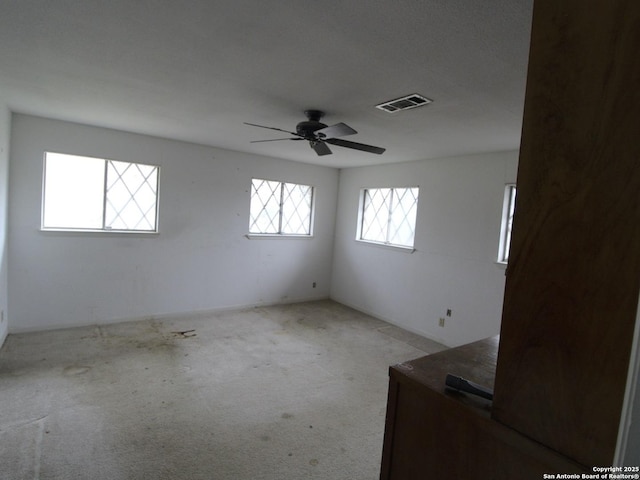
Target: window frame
(105, 228)
(280, 234)
(506, 223)
(386, 244)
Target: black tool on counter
(463, 385)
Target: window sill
(98, 231)
(271, 236)
(396, 248)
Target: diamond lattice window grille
(265, 206)
(389, 215)
(296, 209)
(280, 208)
(402, 219)
(86, 193)
(131, 196)
(375, 221)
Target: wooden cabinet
(435, 433)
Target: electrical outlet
(448, 312)
(314, 284)
(1, 316)
(441, 322)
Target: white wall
(200, 260)
(5, 129)
(453, 267)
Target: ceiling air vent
(404, 103)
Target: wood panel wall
(574, 270)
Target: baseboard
(389, 320)
(164, 316)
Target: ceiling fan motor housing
(307, 128)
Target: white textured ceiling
(196, 70)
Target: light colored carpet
(275, 393)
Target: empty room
(253, 240)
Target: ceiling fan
(318, 135)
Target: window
(279, 208)
(388, 216)
(86, 193)
(508, 208)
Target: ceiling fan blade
(273, 128)
(321, 148)
(274, 140)
(337, 130)
(356, 146)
